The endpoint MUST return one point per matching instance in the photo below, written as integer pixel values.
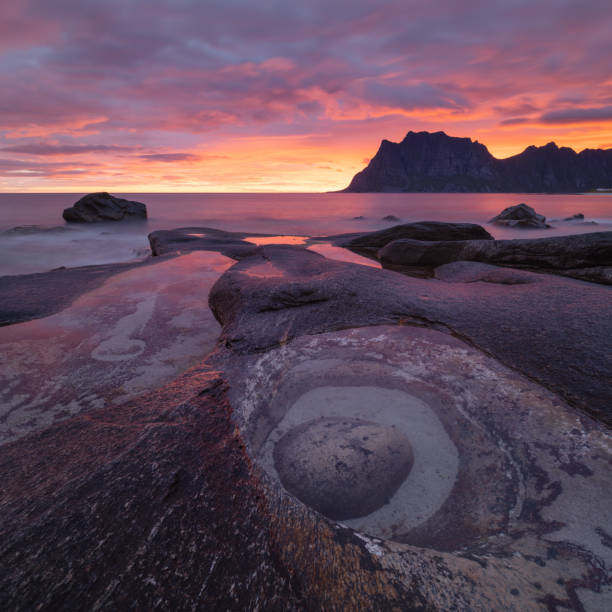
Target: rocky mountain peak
(436, 162)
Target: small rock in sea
(576, 217)
(359, 218)
(520, 216)
(391, 218)
(97, 207)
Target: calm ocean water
(56, 244)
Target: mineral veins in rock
(343, 467)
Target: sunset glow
(147, 95)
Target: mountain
(426, 161)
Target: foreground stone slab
(171, 498)
(172, 488)
(502, 468)
(551, 329)
(138, 329)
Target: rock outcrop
(558, 253)
(520, 216)
(168, 501)
(368, 244)
(426, 161)
(187, 239)
(99, 207)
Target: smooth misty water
(283, 214)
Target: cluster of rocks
(418, 248)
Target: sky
(267, 95)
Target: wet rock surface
(139, 328)
(343, 467)
(99, 207)
(187, 239)
(520, 216)
(32, 296)
(170, 499)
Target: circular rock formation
(344, 468)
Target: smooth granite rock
(595, 274)
(97, 207)
(520, 216)
(558, 253)
(472, 272)
(170, 501)
(344, 468)
(368, 244)
(518, 324)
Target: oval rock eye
(410, 435)
(343, 467)
(383, 486)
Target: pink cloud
(81, 80)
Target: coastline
(510, 363)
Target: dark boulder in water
(520, 216)
(97, 207)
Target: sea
(35, 238)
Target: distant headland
(436, 162)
